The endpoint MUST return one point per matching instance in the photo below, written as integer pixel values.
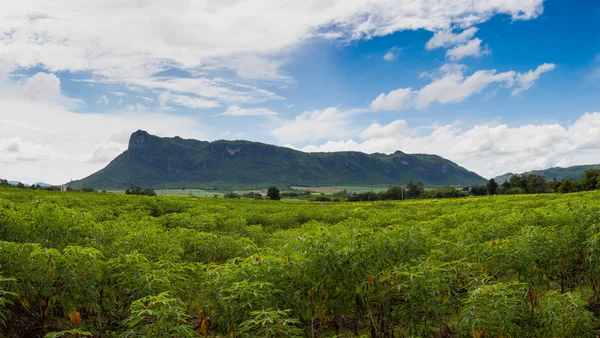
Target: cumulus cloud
(315, 125)
(489, 149)
(395, 100)
(239, 111)
(395, 129)
(445, 38)
(455, 87)
(450, 85)
(461, 45)
(471, 48)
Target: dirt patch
(593, 305)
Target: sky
(494, 85)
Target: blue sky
(494, 85)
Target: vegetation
(560, 174)
(77, 264)
(135, 190)
(273, 193)
(151, 161)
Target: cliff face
(137, 140)
(152, 161)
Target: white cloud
(315, 125)
(45, 141)
(105, 152)
(471, 48)
(455, 87)
(392, 54)
(255, 67)
(395, 100)
(239, 111)
(214, 89)
(184, 100)
(451, 85)
(40, 87)
(489, 149)
(394, 129)
(124, 39)
(526, 80)
(446, 39)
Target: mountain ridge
(152, 161)
(560, 173)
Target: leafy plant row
(134, 266)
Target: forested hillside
(151, 161)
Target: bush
(321, 198)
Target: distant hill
(41, 184)
(556, 172)
(156, 162)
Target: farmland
(77, 264)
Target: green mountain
(152, 161)
(556, 172)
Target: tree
(273, 193)
(20, 185)
(137, 190)
(569, 185)
(492, 186)
(590, 179)
(478, 190)
(414, 190)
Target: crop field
(108, 265)
(188, 192)
(332, 190)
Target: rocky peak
(138, 139)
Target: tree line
(518, 184)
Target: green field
(111, 265)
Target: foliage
(158, 316)
(271, 323)
(5, 299)
(565, 315)
(136, 190)
(492, 187)
(273, 193)
(130, 266)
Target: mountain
(41, 184)
(156, 162)
(556, 172)
(503, 178)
